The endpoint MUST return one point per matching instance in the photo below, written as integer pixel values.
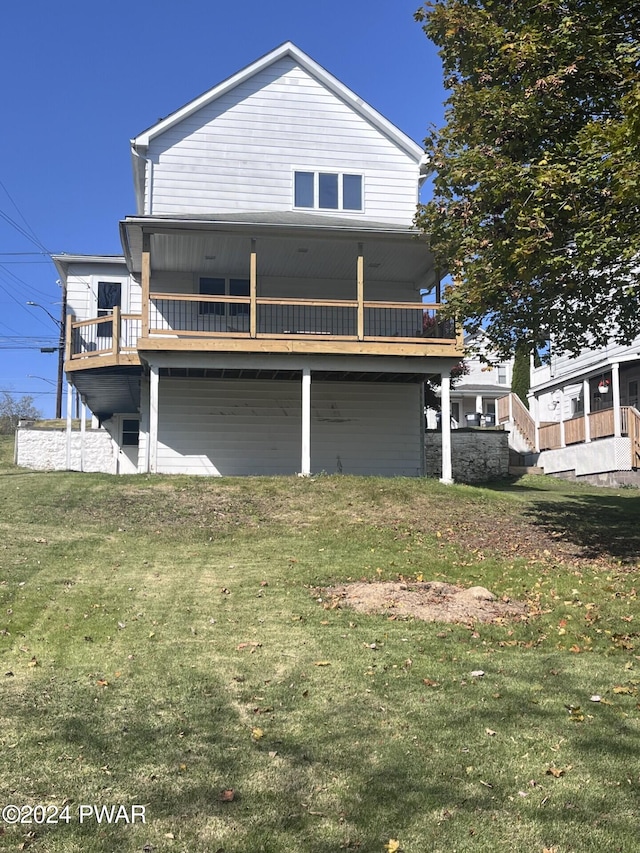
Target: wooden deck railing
(193, 315)
(601, 424)
(549, 436)
(511, 407)
(109, 335)
(574, 430)
(633, 428)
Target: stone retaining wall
(477, 455)
(46, 450)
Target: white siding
(239, 152)
(366, 428)
(82, 288)
(217, 427)
(564, 365)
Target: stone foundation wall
(46, 450)
(477, 455)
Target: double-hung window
(224, 287)
(327, 191)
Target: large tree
(536, 193)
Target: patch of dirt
(430, 601)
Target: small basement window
(130, 432)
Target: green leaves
(535, 201)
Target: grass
(163, 642)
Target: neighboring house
(268, 313)
(474, 395)
(585, 410)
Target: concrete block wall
(46, 450)
(478, 456)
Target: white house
(586, 412)
(475, 394)
(267, 315)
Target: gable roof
(141, 142)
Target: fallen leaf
(429, 682)
(257, 733)
(477, 673)
(322, 663)
(556, 772)
(628, 691)
(392, 845)
(33, 662)
(490, 732)
(102, 682)
(227, 796)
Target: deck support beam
(305, 462)
(154, 389)
(445, 421)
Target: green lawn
(163, 642)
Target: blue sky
(80, 79)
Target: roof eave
(408, 145)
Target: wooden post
(305, 465)
(360, 291)
(586, 406)
(146, 282)
(154, 383)
(253, 290)
(115, 332)
(69, 341)
(445, 424)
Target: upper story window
(327, 191)
(502, 374)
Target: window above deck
(317, 190)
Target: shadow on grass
(315, 785)
(602, 526)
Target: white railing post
(561, 408)
(586, 405)
(615, 383)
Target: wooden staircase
(511, 409)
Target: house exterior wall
(82, 288)
(239, 152)
(228, 428)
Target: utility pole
(60, 348)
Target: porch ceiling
(289, 249)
